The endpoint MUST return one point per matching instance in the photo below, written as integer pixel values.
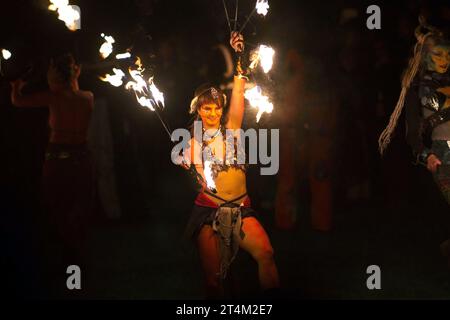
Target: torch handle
(226, 14)
(246, 21)
(236, 14)
(166, 127)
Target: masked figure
(425, 93)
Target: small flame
(124, 55)
(115, 79)
(258, 101)
(107, 47)
(6, 54)
(66, 13)
(145, 102)
(262, 7)
(138, 63)
(208, 175)
(157, 95)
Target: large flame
(259, 101)
(262, 7)
(66, 13)
(115, 79)
(6, 54)
(263, 54)
(147, 94)
(107, 47)
(208, 175)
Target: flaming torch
(66, 13)
(259, 101)
(146, 92)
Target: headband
(214, 93)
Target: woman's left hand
(237, 41)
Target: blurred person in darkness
(67, 181)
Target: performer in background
(306, 146)
(222, 222)
(67, 184)
(425, 93)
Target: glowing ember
(6, 54)
(125, 55)
(208, 175)
(262, 7)
(259, 101)
(115, 79)
(66, 13)
(106, 48)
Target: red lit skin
(70, 108)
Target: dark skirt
(201, 216)
(67, 191)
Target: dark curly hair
(64, 67)
(207, 93)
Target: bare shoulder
(86, 94)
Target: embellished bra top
(234, 156)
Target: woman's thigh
(256, 240)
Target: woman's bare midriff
(230, 184)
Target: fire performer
(425, 92)
(223, 221)
(67, 173)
